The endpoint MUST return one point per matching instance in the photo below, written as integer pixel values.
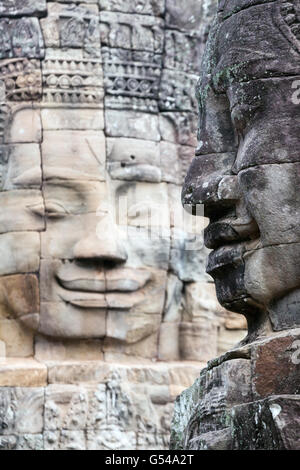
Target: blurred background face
(98, 131)
(246, 171)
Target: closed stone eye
(51, 209)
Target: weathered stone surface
(20, 167)
(72, 81)
(19, 297)
(269, 424)
(169, 348)
(275, 367)
(73, 26)
(131, 125)
(14, 261)
(132, 160)
(173, 306)
(21, 79)
(22, 7)
(229, 339)
(17, 337)
(136, 6)
(198, 340)
(72, 119)
(21, 410)
(22, 37)
(64, 156)
(63, 320)
(23, 203)
(145, 34)
(47, 349)
(188, 256)
(25, 126)
(22, 373)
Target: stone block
(66, 408)
(111, 438)
(275, 365)
(229, 339)
(19, 211)
(26, 7)
(14, 260)
(47, 349)
(168, 348)
(144, 34)
(22, 372)
(66, 153)
(198, 340)
(173, 306)
(21, 167)
(72, 119)
(64, 440)
(21, 410)
(131, 124)
(269, 424)
(17, 337)
(26, 126)
(22, 37)
(134, 160)
(63, 320)
(155, 8)
(72, 26)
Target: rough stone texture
(245, 173)
(92, 405)
(97, 129)
(243, 404)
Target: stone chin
(272, 279)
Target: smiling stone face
(97, 130)
(246, 169)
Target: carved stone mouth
(225, 256)
(100, 286)
(230, 231)
(111, 291)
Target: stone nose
(103, 244)
(210, 182)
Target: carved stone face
(246, 171)
(95, 116)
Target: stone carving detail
(22, 79)
(288, 17)
(22, 7)
(21, 38)
(72, 82)
(72, 26)
(143, 7)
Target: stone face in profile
(246, 170)
(246, 173)
(99, 271)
